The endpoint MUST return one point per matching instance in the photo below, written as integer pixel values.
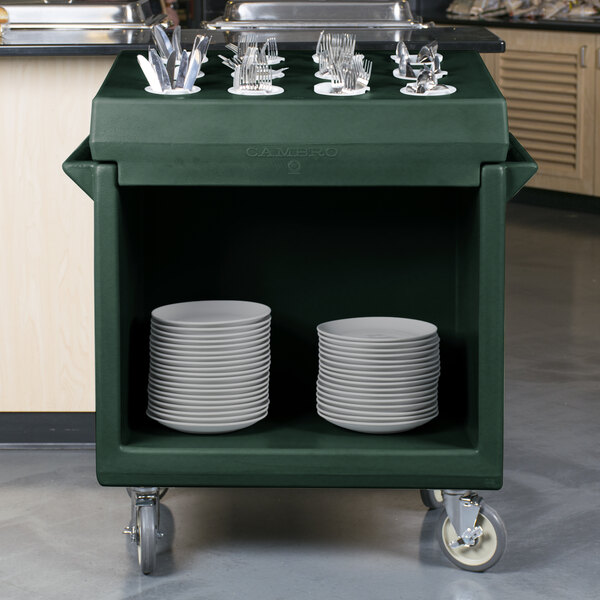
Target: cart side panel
(111, 318)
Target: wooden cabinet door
(548, 79)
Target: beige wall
(46, 235)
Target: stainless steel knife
(171, 64)
(161, 71)
(176, 41)
(193, 70)
(162, 41)
(183, 69)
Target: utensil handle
(598, 59)
(582, 56)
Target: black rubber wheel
(432, 498)
(146, 543)
(486, 551)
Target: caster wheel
(432, 498)
(488, 548)
(146, 538)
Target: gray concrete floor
(59, 530)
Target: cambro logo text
(290, 152)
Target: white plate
(208, 344)
(224, 379)
(357, 387)
(208, 428)
(324, 89)
(274, 91)
(253, 328)
(218, 394)
(438, 90)
(396, 74)
(388, 378)
(208, 401)
(362, 365)
(374, 419)
(193, 403)
(379, 428)
(378, 369)
(178, 353)
(228, 387)
(370, 354)
(203, 372)
(235, 371)
(204, 420)
(364, 419)
(377, 329)
(207, 416)
(360, 387)
(369, 412)
(206, 362)
(209, 335)
(212, 340)
(409, 393)
(400, 400)
(216, 351)
(211, 313)
(199, 329)
(376, 349)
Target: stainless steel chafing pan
(78, 14)
(316, 14)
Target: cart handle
(80, 167)
(520, 167)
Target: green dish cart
(322, 208)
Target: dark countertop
(82, 42)
(442, 18)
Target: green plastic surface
(299, 138)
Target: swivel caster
(143, 528)
(482, 539)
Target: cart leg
(471, 533)
(144, 526)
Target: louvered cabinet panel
(548, 80)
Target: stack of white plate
(378, 374)
(209, 365)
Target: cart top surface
(299, 137)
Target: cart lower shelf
(299, 451)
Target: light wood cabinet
(551, 81)
(46, 234)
